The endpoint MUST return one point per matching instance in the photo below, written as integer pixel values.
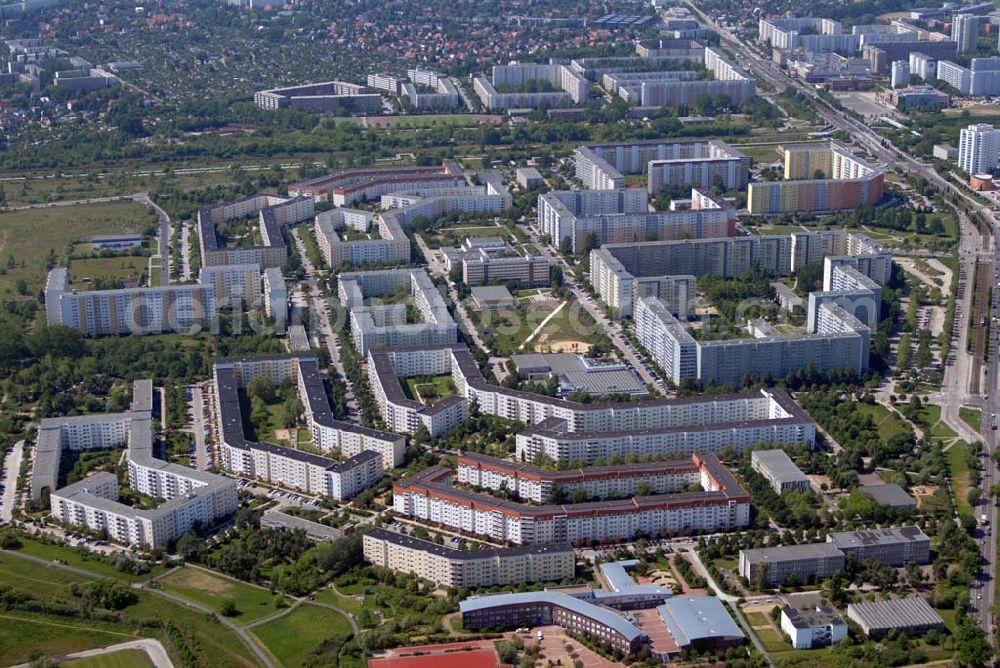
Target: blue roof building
(700, 622)
(601, 625)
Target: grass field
(126, 658)
(22, 633)
(292, 637)
(430, 121)
(957, 461)
(438, 387)
(972, 417)
(128, 268)
(454, 236)
(71, 557)
(929, 418)
(42, 188)
(510, 327)
(888, 422)
(212, 590)
(29, 235)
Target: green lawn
(929, 419)
(773, 641)
(23, 633)
(756, 618)
(972, 417)
(957, 456)
(454, 236)
(125, 658)
(510, 327)
(889, 423)
(292, 637)
(346, 602)
(213, 590)
(71, 557)
(27, 236)
(20, 633)
(435, 120)
(430, 390)
(129, 269)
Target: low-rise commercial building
(779, 470)
(275, 519)
(809, 562)
(813, 627)
(893, 546)
(468, 569)
(917, 97)
(493, 298)
(577, 373)
(528, 177)
(911, 615)
(700, 623)
(891, 495)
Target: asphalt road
(163, 236)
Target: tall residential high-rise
(978, 148)
(965, 31)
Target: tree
(262, 388)
(556, 278)
(228, 608)
(566, 246)
(191, 546)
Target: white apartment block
(234, 283)
(272, 214)
(391, 246)
(191, 496)
(698, 163)
(292, 468)
(471, 569)
(156, 310)
(569, 431)
(430, 496)
(982, 78)
(573, 88)
(531, 483)
(275, 296)
(840, 342)
(978, 149)
(379, 326)
(563, 214)
(387, 82)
